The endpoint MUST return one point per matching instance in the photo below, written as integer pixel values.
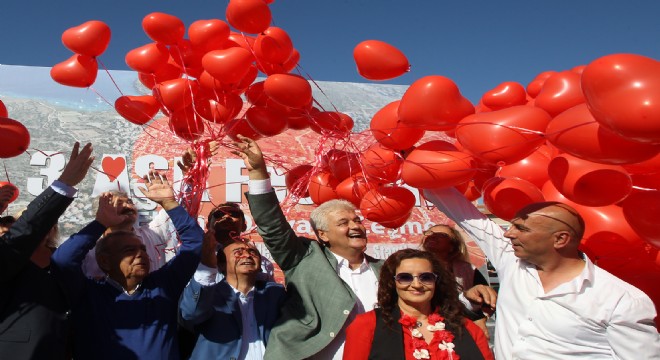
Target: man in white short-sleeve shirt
(554, 303)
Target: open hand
(251, 154)
(79, 162)
(158, 189)
(108, 213)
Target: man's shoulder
(615, 286)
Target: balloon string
(4, 165)
(194, 183)
(572, 127)
(308, 76)
(101, 96)
(521, 129)
(110, 76)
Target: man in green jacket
(328, 281)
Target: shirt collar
(342, 262)
(249, 294)
(118, 286)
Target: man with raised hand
(34, 312)
(234, 315)
(328, 281)
(554, 303)
(131, 313)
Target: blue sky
(476, 43)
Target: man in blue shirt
(131, 313)
(233, 314)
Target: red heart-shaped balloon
(623, 94)
(228, 65)
(265, 121)
(390, 132)
(221, 109)
(14, 137)
(273, 45)
(322, 187)
(90, 38)
(642, 211)
(433, 103)
(13, 188)
(163, 28)
(147, 58)
(389, 206)
(588, 183)
(560, 92)
(176, 94)
(353, 189)
(504, 95)
(250, 16)
(137, 109)
(3, 110)
(297, 180)
(504, 197)
(437, 164)
(289, 90)
(503, 136)
(76, 71)
(533, 168)
(381, 164)
(207, 35)
(576, 132)
(378, 60)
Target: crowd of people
(102, 295)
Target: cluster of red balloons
(15, 139)
(199, 80)
(367, 179)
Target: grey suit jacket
(319, 302)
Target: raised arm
(285, 247)
(18, 244)
(487, 234)
(176, 273)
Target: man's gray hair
(319, 216)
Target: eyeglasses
(426, 278)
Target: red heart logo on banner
(113, 167)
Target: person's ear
(323, 237)
(103, 261)
(562, 239)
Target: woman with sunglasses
(418, 316)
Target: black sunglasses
(235, 213)
(426, 278)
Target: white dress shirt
(594, 316)
(364, 284)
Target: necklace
(443, 337)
